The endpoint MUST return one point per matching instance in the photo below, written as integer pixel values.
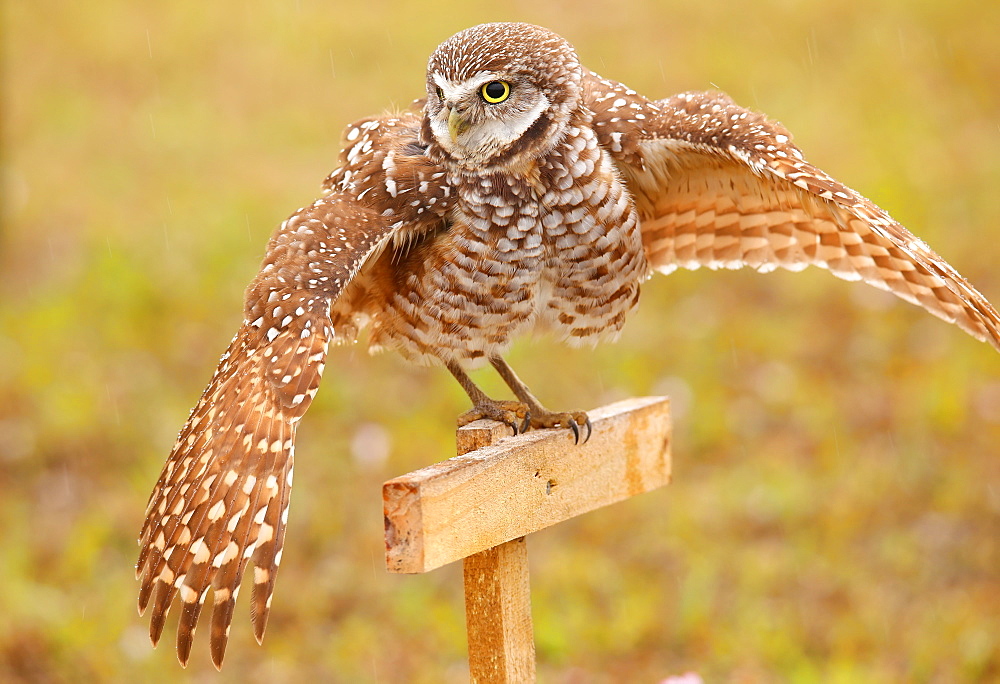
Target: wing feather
(222, 497)
(221, 501)
(719, 186)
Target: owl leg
(540, 416)
(512, 413)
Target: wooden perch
(479, 505)
(504, 490)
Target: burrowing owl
(525, 192)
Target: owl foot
(574, 420)
(518, 415)
(514, 414)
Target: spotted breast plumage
(524, 193)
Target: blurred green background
(835, 511)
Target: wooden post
(498, 614)
(479, 506)
(497, 593)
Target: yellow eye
(495, 92)
(440, 93)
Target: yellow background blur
(835, 514)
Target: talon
(523, 427)
(573, 420)
(576, 431)
(507, 412)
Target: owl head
(499, 94)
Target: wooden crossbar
(479, 506)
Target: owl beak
(456, 124)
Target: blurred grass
(834, 515)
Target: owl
(523, 193)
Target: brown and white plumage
(222, 498)
(527, 193)
(719, 186)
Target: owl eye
(495, 92)
(440, 93)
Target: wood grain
(522, 484)
(498, 615)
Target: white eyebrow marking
(452, 88)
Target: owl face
(498, 94)
(479, 118)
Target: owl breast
(554, 247)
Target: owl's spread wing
(222, 497)
(720, 186)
